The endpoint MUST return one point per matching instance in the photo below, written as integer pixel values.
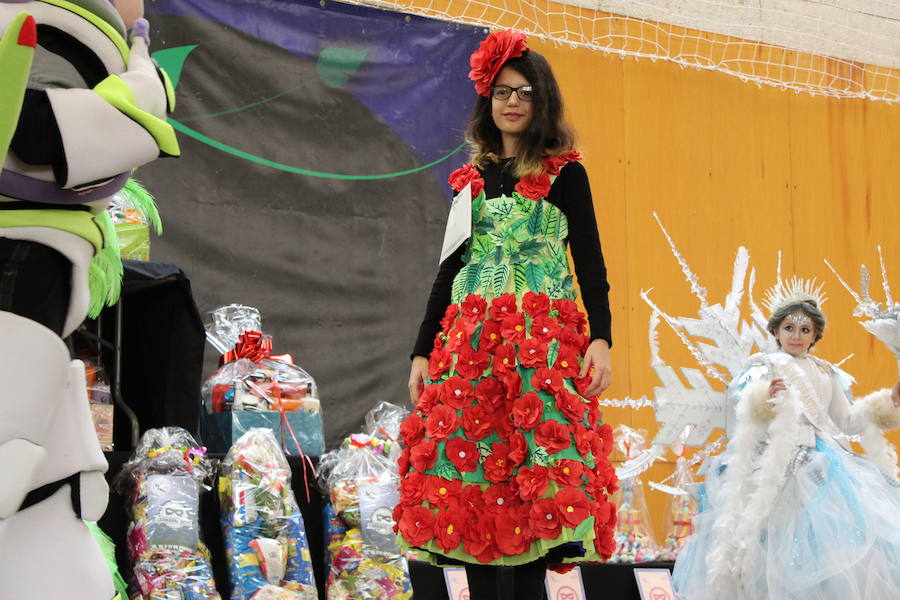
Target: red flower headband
(492, 53)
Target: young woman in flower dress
(789, 511)
(506, 460)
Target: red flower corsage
(534, 187)
(492, 53)
(465, 175)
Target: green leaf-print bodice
(517, 245)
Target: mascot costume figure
(80, 108)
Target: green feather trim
(138, 198)
(105, 271)
(108, 548)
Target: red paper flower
(476, 422)
(449, 528)
(605, 433)
(544, 519)
(403, 462)
(571, 406)
(532, 482)
(428, 398)
(502, 306)
(547, 380)
(497, 466)
(490, 335)
(567, 363)
(518, 447)
(499, 498)
(439, 491)
(569, 314)
(512, 381)
(412, 429)
(604, 528)
(474, 308)
(423, 455)
(492, 53)
(544, 328)
(572, 341)
(417, 525)
(441, 423)
(395, 516)
(412, 488)
(573, 506)
(465, 175)
(582, 383)
(459, 335)
(513, 534)
(472, 363)
(594, 415)
(527, 411)
(449, 317)
(504, 359)
(553, 436)
(534, 187)
(463, 454)
(478, 539)
(503, 425)
(567, 473)
(491, 393)
(533, 353)
(554, 163)
(457, 392)
(585, 439)
(439, 339)
(440, 362)
(536, 304)
(512, 327)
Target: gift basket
(682, 510)
(265, 537)
(633, 536)
(360, 478)
(100, 402)
(254, 388)
(162, 482)
(133, 212)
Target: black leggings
(35, 282)
(523, 582)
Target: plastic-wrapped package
(100, 402)
(634, 532)
(361, 481)
(265, 537)
(162, 482)
(682, 510)
(133, 212)
(254, 388)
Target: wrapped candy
(162, 481)
(633, 536)
(682, 510)
(361, 480)
(265, 537)
(254, 388)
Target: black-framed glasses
(503, 92)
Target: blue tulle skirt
(832, 534)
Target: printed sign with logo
(172, 511)
(565, 586)
(655, 584)
(457, 584)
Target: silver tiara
(794, 291)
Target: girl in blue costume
(789, 512)
(505, 460)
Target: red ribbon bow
(252, 345)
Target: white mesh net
(840, 48)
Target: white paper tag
(565, 586)
(459, 222)
(457, 583)
(655, 584)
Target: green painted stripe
(282, 167)
(239, 108)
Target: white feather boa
(880, 415)
(749, 490)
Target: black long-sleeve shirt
(571, 193)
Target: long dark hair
(547, 133)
